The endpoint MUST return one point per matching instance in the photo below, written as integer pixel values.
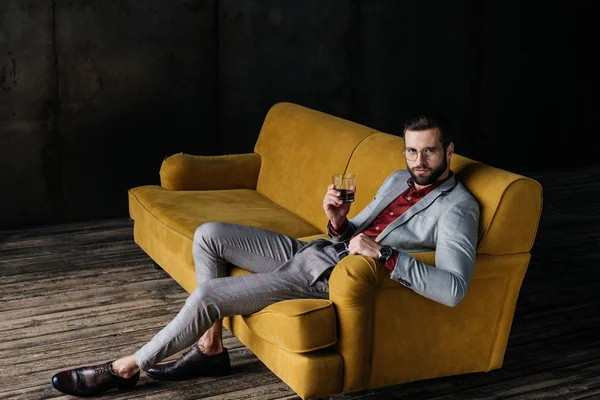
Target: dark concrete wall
(137, 82)
(271, 51)
(415, 56)
(93, 95)
(29, 156)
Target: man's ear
(450, 150)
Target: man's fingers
(353, 246)
(354, 250)
(332, 199)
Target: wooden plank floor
(81, 294)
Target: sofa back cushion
(300, 149)
(510, 204)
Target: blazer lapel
(418, 207)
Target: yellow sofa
(372, 331)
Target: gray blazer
(445, 220)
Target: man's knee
(204, 299)
(199, 295)
(207, 231)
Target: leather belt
(341, 249)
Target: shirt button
(409, 198)
(391, 213)
(376, 228)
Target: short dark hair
(424, 121)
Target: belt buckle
(341, 249)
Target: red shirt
(396, 208)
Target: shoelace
(103, 370)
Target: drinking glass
(344, 183)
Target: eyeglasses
(428, 153)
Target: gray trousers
(284, 268)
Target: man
(418, 209)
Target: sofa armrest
(188, 172)
(370, 306)
(352, 290)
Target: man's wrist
(391, 263)
(339, 225)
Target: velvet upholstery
(173, 216)
(321, 347)
(301, 149)
(187, 172)
(309, 325)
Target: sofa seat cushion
(183, 211)
(297, 326)
(165, 222)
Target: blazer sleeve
(456, 246)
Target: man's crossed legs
(280, 272)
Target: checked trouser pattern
(280, 272)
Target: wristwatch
(385, 252)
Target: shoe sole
(186, 377)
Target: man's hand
(364, 245)
(335, 208)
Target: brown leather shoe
(91, 381)
(192, 363)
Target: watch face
(386, 252)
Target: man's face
(432, 162)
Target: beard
(433, 175)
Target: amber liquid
(347, 196)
